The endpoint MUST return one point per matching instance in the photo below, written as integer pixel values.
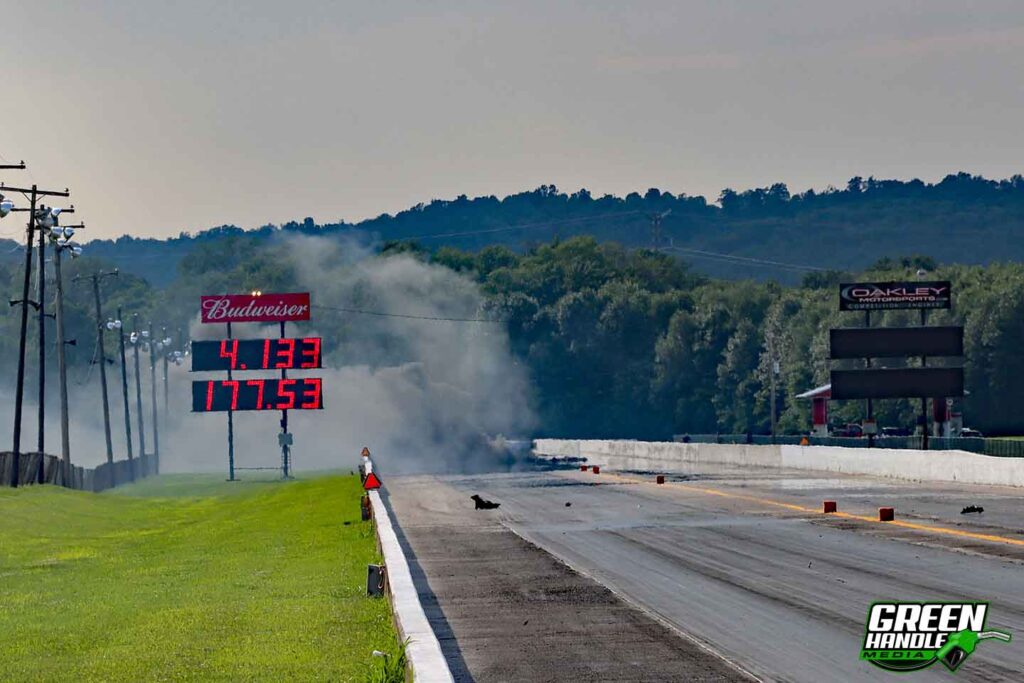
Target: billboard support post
(924, 400)
(867, 364)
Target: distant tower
(656, 228)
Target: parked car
(852, 429)
(895, 431)
(969, 433)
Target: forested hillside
(617, 342)
(962, 219)
(632, 344)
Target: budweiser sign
(255, 308)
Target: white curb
(423, 651)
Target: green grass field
(189, 577)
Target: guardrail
(1002, 448)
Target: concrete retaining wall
(102, 477)
(941, 466)
(423, 651)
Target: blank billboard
(896, 342)
(897, 383)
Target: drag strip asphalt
(739, 559)
(505, 610)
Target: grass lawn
(189, 577)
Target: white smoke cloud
(423, 395)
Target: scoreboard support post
(231, 431)
(285, 448)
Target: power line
(410, 316)
(522, 226)
(694, 252)
(745, 259)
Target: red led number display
(303, 393)
(256, 354)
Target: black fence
(103, 477)
(1003, 448)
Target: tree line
(617, 341)
(633, 344)
(963, 218)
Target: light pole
(6, 207)
(136, 341)
(166, 353)
(102, 353)
(46, 220)
(168, 358)
(775, 377)
(61, 244)
(119, 325)
(154, 346)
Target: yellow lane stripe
(801, 508)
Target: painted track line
(916, 526)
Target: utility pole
(102, 359)
(34, 194)
(136, 341)
(62, 369)
(119, 325)
(41, 299)
(152, 386)
(47, 225)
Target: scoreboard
(257, 394)
(256, 354)
(235, 356)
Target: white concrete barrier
(423, 651)
(914, 465)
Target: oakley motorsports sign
(876, 296)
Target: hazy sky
(169, 116)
